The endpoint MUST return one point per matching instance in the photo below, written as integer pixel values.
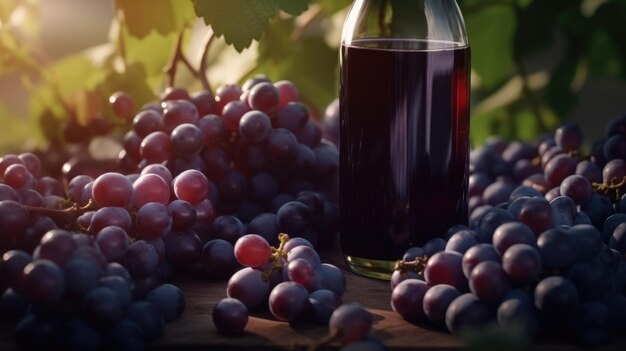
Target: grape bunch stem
(277, 258)
(613, 184)
(418, 265)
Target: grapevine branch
(178, 56)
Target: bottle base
(378, 269)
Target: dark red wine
(404, 144)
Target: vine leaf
(294, 7)
(241, 21)
(144, 16)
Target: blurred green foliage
(530, 58)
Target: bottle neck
(431, 20)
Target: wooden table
(195, 330)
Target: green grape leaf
(165, 16)
(491, 33)
(239, 21)
(294, 7)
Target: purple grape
(230, 316)
(466, 313)
(254, 126)
(121, 286)
(462, 241)
(141, 259)
(248, 286)
(169, 299)
(446, 267)
(488, 281)
(12, 266)
(293, 117)
(183, 248)
(556, 296)
(304, 252)
(537, 214)
(81, 275)
(512, 233)
(42, 282)
(576, 187)
(57, 245)
(288, 300)
(264, 97)
(112, 189)
(13, 221)
(407, 298)
(436, 301)
(153, 221)
(351, 322)
(150, 188)
(191, 186)
(218, 259)
(293, 217)
(323, 303)
(282, 146)
(228, 228)
(569, 137)
(183, 214)
(557, 249)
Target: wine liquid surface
(404, 144)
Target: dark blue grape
(266, 226)
(122, 288)
(436, 302)
(477, 254)
(228, 228)
(556, 296)
(462, 241)
(293, 217)
(82, 275)
(230, 316)
(102, 306)
(263, 187)
(282, 146)
(218, 259)
(169, 299)
(467, 313)
(254, 126)
(183, 248)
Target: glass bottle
(404, 128)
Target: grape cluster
(68, 296)
(265, 157)
(89, 254)
(293, 283)
(543, 252)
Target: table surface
(195, 329)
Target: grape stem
(66, 217)
(178, 56)
(613, 184)
(278, 255)
(416, 265)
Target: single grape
(183, 214)
(537, 214)
(577, 187)
(282, 146)
(462, 241)
(156, 147)
(205, 102)
(177, 112)
(489, 282)
(191, 186)
(141, 259)
(218, 259)
(169, 299)
(323, 302)
(57, 245)
(12, 266)
(287, 92)
(512, 233)
(31, 161)
(146, 122)
(183, 248)
(351, 322)
(254, 126)
(230, 316)
(112, 189)
(557, 296)
(187, 140)
(150, 188)
(263, 97)
(522, 263)
(18, 177)
(42, 282)
(436, 301)
(153, 221)
(293, 117)
(309, 135)
(466, 313)
(569, 137)
(294, 217)
(228, 228)
(213, 129)
(252, 250)
(446, 267)
(248, 286)
(304, 252)
(407, 298)
(288, 300)
(265, 225)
